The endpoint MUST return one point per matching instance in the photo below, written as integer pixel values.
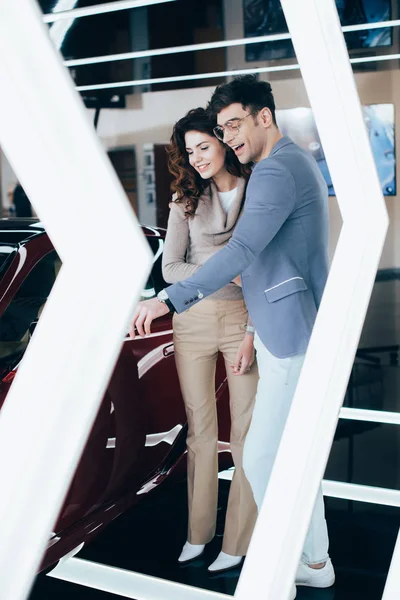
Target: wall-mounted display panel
(299, 124)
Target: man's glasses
(233, 126)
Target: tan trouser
(199, 333)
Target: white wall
(148, 118)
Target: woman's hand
(237, 280)
(245, 355)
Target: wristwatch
(163, 297)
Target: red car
(139, 437)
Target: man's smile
(237, 148)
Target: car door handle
(168, 350)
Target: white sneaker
(190, 552)
(224, 561)
(317, 578)
(294, 592)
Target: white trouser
(276, 387)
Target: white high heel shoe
(224, 562)
(190, 552)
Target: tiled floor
(148, 539)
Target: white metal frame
(128, 584)
(392, 586)
(232, 73)
(41, 120)
(99, 9)
(347, 491)
(53, 149)
(78, 62)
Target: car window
(26, 306)
(155, 282)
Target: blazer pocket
(285, 288)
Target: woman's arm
(174, 265)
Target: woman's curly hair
(187, 183)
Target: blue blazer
(280, 248)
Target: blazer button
(186, 303)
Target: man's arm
(270, 199)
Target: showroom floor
(148, 539)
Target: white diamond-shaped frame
(47, 136)
(283, 521)
(392, 586)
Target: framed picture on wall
(299, 125)
(266, 17)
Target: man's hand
(245, 355)
(144, 315)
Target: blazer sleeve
(174, 265)
(270, 199)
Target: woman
(209, 185)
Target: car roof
(16, 231)
(13, 223)
(26, 228)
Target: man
(280, 249)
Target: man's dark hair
(245, 90)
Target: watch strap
(171, 307)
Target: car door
(140, 426)
(161, 403)
(148, 410)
